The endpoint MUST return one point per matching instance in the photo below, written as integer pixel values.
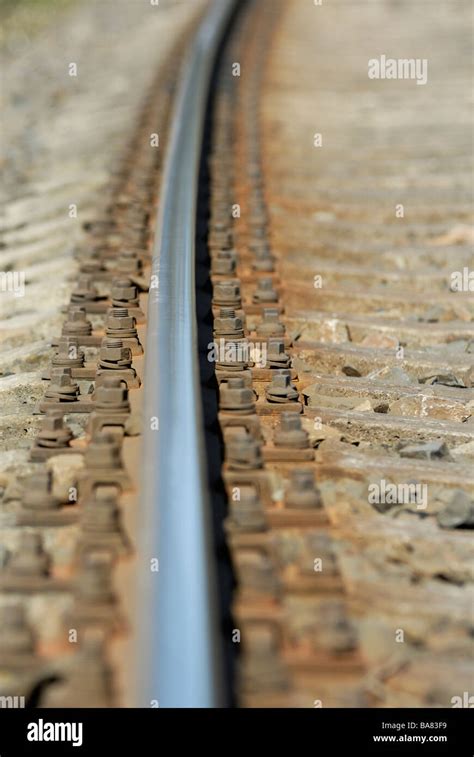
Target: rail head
(178, 645)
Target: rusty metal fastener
(94, 582)
(254, 170)
(77, 323)
(256, 197)
(101, 514)
(319, 545)
(221, 239)
(85, 290)
(291, 433)
(68, 355)
(256, 571)
(111, 396)
(259, 246)
(270, 325)
(234, 353)
(223, 263)
(103, 452)
(227, 324)
(281, 389)
(16, 635)
(129, 262)
(302, 492)
(333, 630)
(257, 217)
(276, 356)
(37, 491)
(92, 665)
(227, 294)
(91, 262)
(259, 232)
(124, 293)
(113, 355)
(247, 513)
(219, 225)
(61, 387)
(243, 452)
(221, 208)
(87, 680)
(30, 558)
(265, 292)
(263, 260)
(262, 669)
(262, 640)
(236, 397)
(54, 434)
(119, 323)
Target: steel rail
(178, 660)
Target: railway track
(250, 481)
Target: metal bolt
(227, 293)
(322, 545)
(54, 434)
(91, 679)
(85, 290)
(302, 492)
(119, 323)
(277, 357)
(221, 208)
(291, 433)
(264, 260)
(256, 196)
(112, 394)
(257, 217)
(61, 387)
(77, 323)
(37, 489)
(113, 355)
(227, 324)
(263, 640)
(270, 325)
(224, 263)
(102, 513)
(281, 389)
(256, 571)
(334, 631)
(88, 679)
(236, 397)
(103, 452)
(243, 452)
(233, 355)
(254, 170)
(219, 226)
(91, 263)
(124, 293)
(221, 239)
(247, 513)
(30, 558)
(265, 292)
(68, 355)
(16, 636)
(263, 670)
(94, 582)
(129, 262)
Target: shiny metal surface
(179, 650)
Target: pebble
(425, 451)
(458, 513)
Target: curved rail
(179, 648)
